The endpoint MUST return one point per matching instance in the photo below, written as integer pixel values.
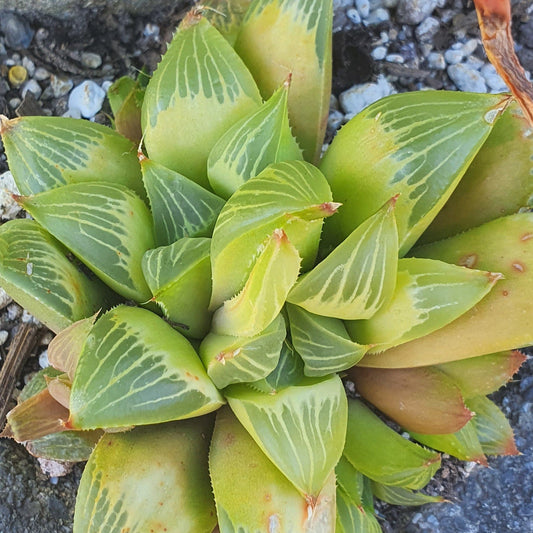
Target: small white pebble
(29, 65)
(5, 299)
(354, 16)
(470, 46)
(453, 57)
(90, 60)
(4, 335)
(106, 85)
(9, 209)
(13, 311)
(43, 359)
(88, 97)
(379, 53)
(363, 6)
(46, 339)
(436, 61)
(72, 113)
(394, 58)
(14, 102)
(27, 317)
(41, 74)
(33, 87)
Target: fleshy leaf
(415, 144)
(284, 37)
(107, 227)
(65, 348)
(125, 98)
(383, 455)
(36, 270)
(264, 294)
(358, 277)
(293, 196)
(301, 429)
(238, 467)
(226, 16)
(478, 376)
(351, 517)
(402, 496)
(493, 430)
(179, 277)
(243, 359)
(498, 182)
(419, 399)
(322, 342)
(463, 444)
(502, 320)
(37, 383)
(148, 479)
(200, 89)
(429, 294)
(180, 207)
(39, 415)
(251, 145)
(49, 152)
(135, 370)
(69, 446)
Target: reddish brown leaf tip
(330, 208)
(19, 198)
(6, 433)
(5, 124)
(494, 277)
(193, 17)
(510, 448)
(288, 81)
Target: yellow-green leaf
(283, 37)
(429, 294)
(293, 196)
(402, 496)
(136, 370)
(358, 277)
(264, 294)
(417, 145)
(226, 16)
(108, 227)
(322, 342)
(200, 89)
(301, 429)
(252, 144)
(179, 277)
(149, 479)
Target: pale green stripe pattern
(135, 370)
(180, 207)
(36, 271)
(402, 496)
(277, 198)
(108, 227)
(301, 429)
(358, 277)
(322, 342)
(351, 518)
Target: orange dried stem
(494, 18)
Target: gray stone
(379, 53)
(414, 11)
(363, 6)
(394, 58)
(60, 86)
(358, 97)
(470, 46)
(378, 16)
(9, 209)
(493, 80)
(354, 16)
(474, 62)
(453, 57)
(88, 97)
(33, 87)
(17, 31)
(90, 60)
(29, 65)
(466, 79)
(427, 29)
(436, 61)
(41, 74)
(335, 120)
(4, 335)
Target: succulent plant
(223, 261)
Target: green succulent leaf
(500, 321)
(419, 399)
(238, 467)
(283, 37)
(38, 383)
(36, 270)
(202, 87)
(179, 277)
(226, 16)
(264, 294)
(482, 375)
(125, 98)
(322, 342)
(149, 479)
(68, 446)
(252, 144)
(65, 348)
(136, 370)
(498, 182)
(429, 294)
(402, 496)
(49, 152)
(351, 517)
(358, 277)
(106, 226)
(463, 444)
(231, 359)
(492, 428)
(293, 196)
(301, 429)
(417, 145)
(354, 484)
(383, 455)
(180, 207)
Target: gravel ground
(380, 47)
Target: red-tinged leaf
(494, 18)
(423, 400)
(59, 389)
(38, 416)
